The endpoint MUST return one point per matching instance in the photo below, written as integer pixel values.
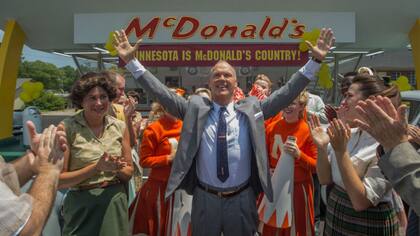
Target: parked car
(412, 100)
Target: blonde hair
(156, 112)
(302, 99)
(203, 90)
(265, 78)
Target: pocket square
(258, 115)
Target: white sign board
(212, 27)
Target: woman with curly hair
(98, 162)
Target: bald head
(222, 82)
(225, 65)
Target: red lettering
(168, 22)
(265, 26)
(177, 34)
(208, 31)
(249, 31)
(298, 33)
(150, 27)
(231, 28)
(277, 31)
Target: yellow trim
(10, 52)
(414, 36)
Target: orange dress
(149, 211)
(303, 208)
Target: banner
(209, 54)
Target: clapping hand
(414, 134)
(319, 136)
(129, 108)
(323, 45)
(382, 121)
(109, 163)
(330, 112)
(49, 154)
(339, 134)
(125, 50)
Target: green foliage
(53, 78)
(49, 102)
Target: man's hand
(381, 120)
(49, 155)
(123, 47)
(319, 136)
(323, 45)
(339, 135)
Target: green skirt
(98, 211)
(342, 219)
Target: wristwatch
(316, 60)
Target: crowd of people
(216, 156)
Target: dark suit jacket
(194, 113)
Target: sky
(33, 55)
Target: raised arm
(174, 104)
(286, 94)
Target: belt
(226, 194)
(104, 184)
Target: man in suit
(400, 162)
(221, 157)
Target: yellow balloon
(38, 86)
(36, 94)
(324, 77)
(109, 45)
(25, 97)
(309, 36)
(31, 88)
(403, 83)
(26, 85)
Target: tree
(48, 102)
(53, 78)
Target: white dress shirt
(239, 149)
(362, 150)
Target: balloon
(26, 85)
(309, 36)
(324, 77)
(36, 95)
(403, 83)
(25, 97)
(31, 91)
(38, 86)
(109, 45)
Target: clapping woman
(98, 162)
